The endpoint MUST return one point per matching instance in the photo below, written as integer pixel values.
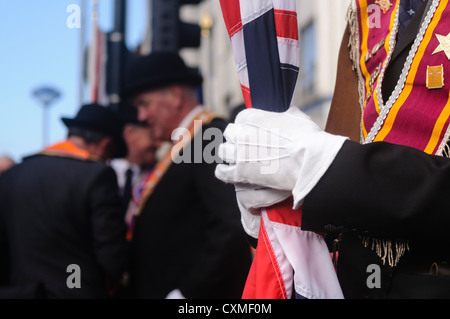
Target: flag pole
(91, 63)
(117, 41)
(82, 57)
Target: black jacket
(387, 192)
(56, 212)
(189, 236)
(380, 194)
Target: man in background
(138, 162)
(188, 241)
(6, 163)
(60, 214)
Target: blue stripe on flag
(290, 75)
(271, 86)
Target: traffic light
(169, 32)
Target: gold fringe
(385, 249)
(446, 151)
(353, 48)
(354, 36)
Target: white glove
(251, 199)
(284, 151)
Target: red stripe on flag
(265, 280)
(232, 15)
(286, 24)
(247, 96)
(283, 213)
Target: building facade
(321, 27)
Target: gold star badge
(385, 5)
(444, 45)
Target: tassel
(446, 151)
(384, 249)
(353, 48)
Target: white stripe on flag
(252, 9)
(308, 256)
(289, 51)
(237, 43)
(238, 46)
(288, 5)
(287, 272)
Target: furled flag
(264, 37)
(289, 262)
(97, 64)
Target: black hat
(159, 69)
(100, 119)
(129, 114)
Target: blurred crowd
(109, 213)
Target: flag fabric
(289, 262)
(265, 42)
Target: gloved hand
(250, 201)
(283, 151)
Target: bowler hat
(129, 115)
(100, 119)
(157, 70)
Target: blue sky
(37, 48)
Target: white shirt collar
(187, 121)
(190, 116)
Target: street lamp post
(47, 96)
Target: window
(309, 56)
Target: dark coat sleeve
(225, 258)
(4, 256)
(384, 190)
(109, 229)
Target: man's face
(159, 110)
(141, 148)
(5, 164)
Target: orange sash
(66, 149)
(417, 114)
(164, 164)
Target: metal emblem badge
(435, 77)
(385, 5)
